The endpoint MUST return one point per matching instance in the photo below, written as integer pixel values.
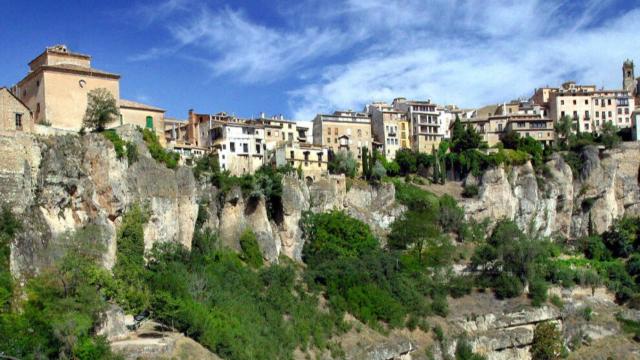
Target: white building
(240, 146)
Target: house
(14, 114)
(240, 146)
(311, 159)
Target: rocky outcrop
(557, 201)
(64, 183)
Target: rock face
(374, 205)
(61, 184)
(559, 201)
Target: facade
(188, 153)
(14, 114)
(56, 87)
(311, 159)
(343, 130)
(635, 129)
(447, 115)
(278, 131)
(144, 116)
(424, 121)
(175, 131)
(390, 128)
(305, 131)
(240, 147)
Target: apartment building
(390, 128)
(278, 131)
(424, 121)
(175, 131)
(589, 108)
(240, 146)
(447, 115)
(305, 131)
(343, 130)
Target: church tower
(628, 79)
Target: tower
(628, 79)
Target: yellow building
(14, 114)
(390, 128)
(56, 88)
(426, 132)
(311, 159)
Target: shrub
(132, 153)
(250, 250)
(538, 291)
(170, 159)
(547, 342)
(556, 301)
(587, 313)
(450, 215)
(465, 352)
(470, 191)
(118, 143)
(507, 286)
(460, 286)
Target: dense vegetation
(122, 148)
(62, 305)
(169, 158)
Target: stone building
(343, 130)
(390, 128)
(14, 114)
(278, 131)
(311, 159)
(424, 121)
(56, 88)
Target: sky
(300, 58)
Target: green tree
(609, 135)
(563, 130)
(342, 162)
(366, 170)
(250, 249)
(102, 109)
(406, 160)
(547, 342)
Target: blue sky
(299, 58)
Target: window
(257, 148)
(626, 111)
(608, 101)
(586, 126)
(597, 114)
(328, 131)
(619, 111)
(291, 154)
(586, 114)
(586, 102)
(289, 126)
(18, 121)
(149, 122)
(610, 115)
(562, 114)
(620, 120)
(232, 147)
(500, 126)
(359, 132)
(329, 140)
(319, 159)
(268, 133)
(245, 147)
(561, 102)
(575, 102)
(335, 132)
(596, 101)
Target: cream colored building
(144, 116)
(240, 146)
(278, 131)
(14, 114)
(424, 121)
(343, 130)
(56, 89)
(390, 128)
(311, 159)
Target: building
(175, 131)
(343, 130)
(447, 115)
(188, 153)
(56, 88)
(305, 131)
(424, 123)
(635, 129)
(523, 117)
(311, 159)
(278, 131)
(144, 116)
(14, 114)
(390, 128)
(240, 146)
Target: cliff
(560, 201)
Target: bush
(547, 342)
(460, 286)
(556, 301)
(508, 286)
(465, 352)
(250, 250)
(470, 191)
(538, 291)
(170, 159)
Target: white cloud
(349, 52)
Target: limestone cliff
(559, 201)
(60, 184)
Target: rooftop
(136, 105)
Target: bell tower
(628, 79)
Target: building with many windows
(343, 130)
(424, 121)
(311, 159)
(240, 146)
(390, 128)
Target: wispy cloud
(343, 54)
